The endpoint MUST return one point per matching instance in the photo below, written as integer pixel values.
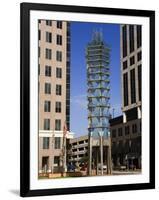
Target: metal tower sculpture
(98, 59)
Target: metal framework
(98, 59)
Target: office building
(126, 129)
(54, 93)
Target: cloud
(79, 100)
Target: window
(47, 106)
(58, 72)
(59, 24)
(48, 37)
(39, 34)
(139, 56)
(58, 55)
(139, 82)
(138, 36)
(48, 53)
(124, 39)
(57, 142)
(57, 161)
(125, 64)
(134, 128)
(125, 88)
(48, 22)
(47, 70)
(58, 89)
(58, 107)
(120, 132)
(46, 143)
(39, 69)
(46, 124)
(114, 133)
(132, 86)
(59, 39)
(47, 88)
(57, 124)
(131, 38)
(39, 52)
(126, 130)
(132, 60)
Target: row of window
(48, 37)
(48, 89)
(49, 23)
(132, 60)
(131, 38)
(57, 124)
(47, 106)
(46, 143)
(127, 131)
(132, 86)
(48, 54)
(48, 71)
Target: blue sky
(81, 34)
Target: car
(104, 167)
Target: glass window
(58, 107)
(120, 132)
(139, 41)
(48, 37)
(139, 56)
(39, 34)
(57, 160)
(131, 36)
(125, 89)
(132, 60)
(47, 88)
(126, 130)
(47, 70)
(46, 124)
(124, 40)
(48, 22)
(48, 53)
(57, 124)
(59, 24)
(132, 86)
(125, 64)
(58, 72)
(59, 39)
(58, 89)
(57, 142)
(45, 142)
(47, 106)
(58, 55)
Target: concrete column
(101, 153)
(139, 112)
(110, 160)
(124, 117)
(97, 161)
(90, 155)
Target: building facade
(126, 129)
(54, 92)
(78, 150)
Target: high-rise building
(126, 129)
(54, 92)
(97, 56)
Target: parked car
(104, 167)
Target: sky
(81, 34)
